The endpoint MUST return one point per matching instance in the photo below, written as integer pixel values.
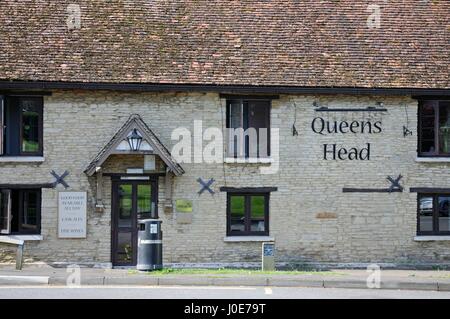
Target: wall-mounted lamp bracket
(406, 131)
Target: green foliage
(228, 271)
(256, 206)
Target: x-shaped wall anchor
(395, 183)
(205, 186)
(60, 179)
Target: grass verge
(227, 271)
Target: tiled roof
(308, 43)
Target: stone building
(121, 110)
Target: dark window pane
(258, 114)
(3, 218)
(253, 117)
(257, 212)
(428, 146)
(427, 124)
(444, 209)
(124, 247)
(4, 212)
(30, 209)
(257, 225)
(125, 205)
(426, 214)
(30, 125)
(237, 208)
(237, 225)
(236, 116)
(144, 201)
(428, 108)
(258, 118)
(257, 206)
(2, 123)
(235, 121)
(444, 127)
(428, 134)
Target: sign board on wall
(72, 217)
(149, 162)
(183, 206)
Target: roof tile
(267, 42)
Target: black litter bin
(149, 245)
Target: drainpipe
(99, 207)
(168, 207)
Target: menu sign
(72, 219)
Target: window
(248, 124)
(433, 214)
(21, 120)
(434, 128)
(247, 214)
(20, 211)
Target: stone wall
(311, 219)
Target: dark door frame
(115, 183)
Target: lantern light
(134, 140)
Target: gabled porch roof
(150, 143)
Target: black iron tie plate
(205, 185)
(395, 183)
(60, 179)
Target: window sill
(233, 239)
(249, 160)
(433, 159)
(21, 159)
(432, 238)
(19, 239)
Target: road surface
(216, 292)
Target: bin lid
(145, 221)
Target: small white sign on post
(72, 219)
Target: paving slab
(23, 280)
(184, 280)
(338, 283)
(443, 286)
(294, 282)
(132, 281)
(240, 281)
(339, 278)
(85, 280)
(408, 285)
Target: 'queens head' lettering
(323, 127)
